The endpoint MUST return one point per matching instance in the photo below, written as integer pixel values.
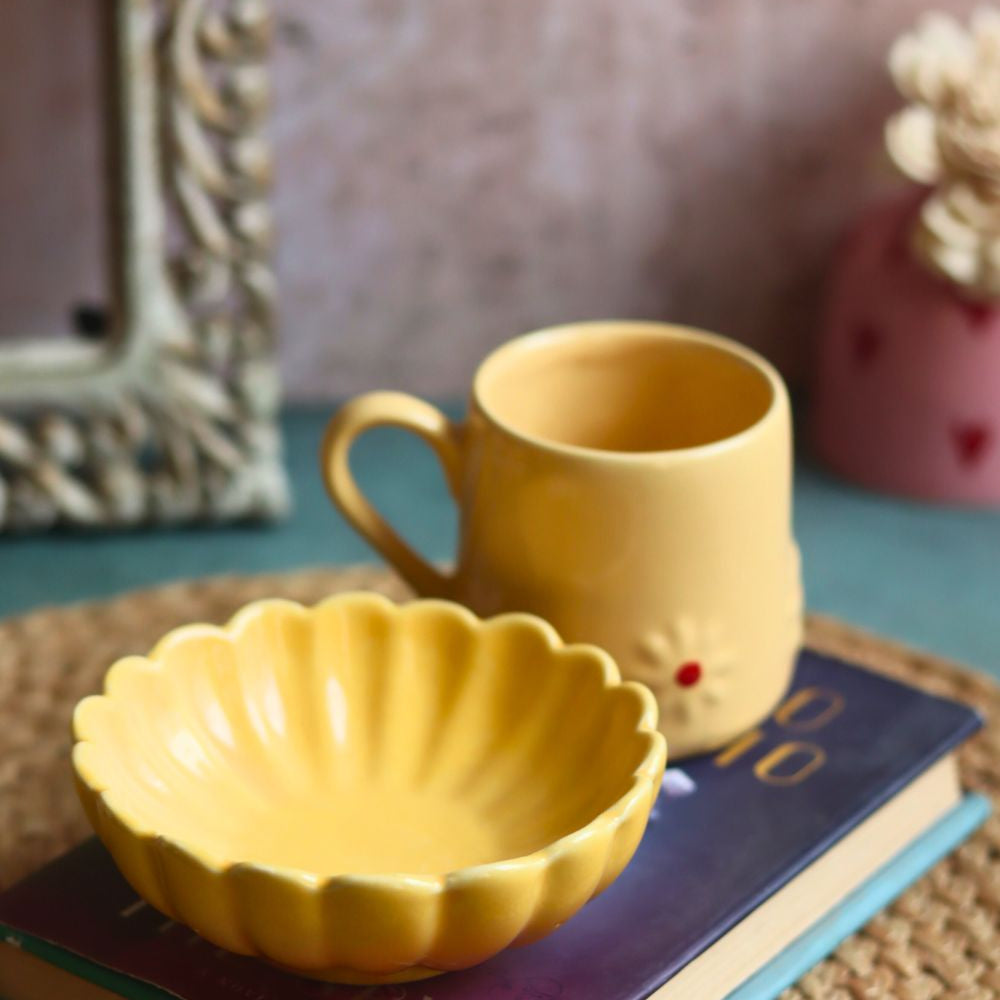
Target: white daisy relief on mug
(687, 666)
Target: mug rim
(667, 331)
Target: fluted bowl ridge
(368, 792)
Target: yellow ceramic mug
(631, 484)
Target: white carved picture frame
(173, 417)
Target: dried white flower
(949, 137)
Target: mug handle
(395, 409)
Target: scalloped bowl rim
(642, 774)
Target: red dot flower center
(688, 674)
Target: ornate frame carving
(174, 418)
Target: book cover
(733, 829)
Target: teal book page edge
(99, 975)
(865, 902)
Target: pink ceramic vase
(907, 391)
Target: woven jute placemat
(940, 939)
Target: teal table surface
(929, 576)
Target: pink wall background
(51, 223)
(453, 173)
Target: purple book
(729, 831)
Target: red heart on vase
(866, 345)
(971, 442)
(979, 315)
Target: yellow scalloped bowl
(366, 792)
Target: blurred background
(451, 174)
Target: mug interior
(621, 389)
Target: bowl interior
(357, 737)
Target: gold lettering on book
(739, 747)
(132, 909)
(790, 714)
(805, 711)
(767, 766)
